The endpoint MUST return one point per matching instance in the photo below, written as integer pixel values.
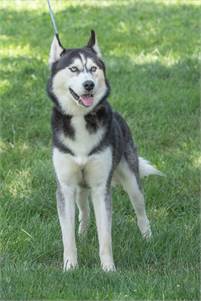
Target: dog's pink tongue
(87, 100)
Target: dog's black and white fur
(92, 147)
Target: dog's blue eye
(73, 69)
(93, 69)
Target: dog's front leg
(66, 211)
(101, 199)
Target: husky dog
(92, 147)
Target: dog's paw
(108, 267)
(70, 264)
(148, 234)
(145, 228)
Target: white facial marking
(83, 59)
(77, 63)
(65, 79)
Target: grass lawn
(151, 49)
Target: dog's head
(78, 82)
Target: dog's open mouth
(85, 100)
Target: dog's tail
(146, 169)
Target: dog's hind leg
(131, 186)
(84, 210)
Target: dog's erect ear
(93, 44)
(56, 50)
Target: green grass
(151, 50)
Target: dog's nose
(88, 85)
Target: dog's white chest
(76, 170)
(81, 160)
(83, 141)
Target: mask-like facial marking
(79, 81)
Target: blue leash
(54, 23)
(53, 19)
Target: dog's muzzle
(85, 100)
